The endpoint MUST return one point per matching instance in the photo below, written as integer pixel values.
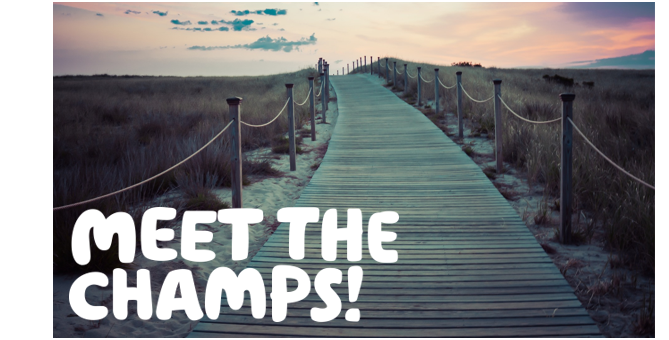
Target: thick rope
(421, 77)
(320, 89)
(147, 180)
(470, 97)
(271, 121)
(410, 76)
(525, 119)
(609, 160)
(305, 100)
(446, 87)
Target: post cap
(497, 81)
(386, 59)
(405, 65)
(234, 100)
(458, 73)
(289, 86)
(310, 78)
(567, 97)
(418, 67)
(436, 69)
(322, 74)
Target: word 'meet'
(223, 278)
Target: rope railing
(606, 158)
(320, 90)
(271, 121)
(446, 87)
(427, 81)
(476, 100)
(525, 119)
(305, 99)
(148, 179)
(410, 76)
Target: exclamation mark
(354, 284)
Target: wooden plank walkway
(468, 266)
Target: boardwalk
(468, 266)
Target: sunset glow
(208, 39)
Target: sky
(253, 38)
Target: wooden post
(565, 168)
(312, 108)
(499, 126)
(291, 127)
(459, 92)
(395, 74)
(360, 64)
(323, 108)
(348, 70)
(419, 87)
(337, 72)
(371, 65)
(378, 65)
(365, 64)
(387, 78)
(406, 80)
(320, 65)
(234, 105)
(436, 90)
(327, 91)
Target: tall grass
(617, 115)
(112, 132)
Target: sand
(267, 193)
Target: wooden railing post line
(360, 64)
(378, 66)
(436, 90)
(387, 67)
(312, 108)
(234, 104)
(499, 125)
(459, 92)
(394, 73)
(323, 107)
(291, 127)
(418, 80)
(565, 168)
(406, 80)
(365, 64)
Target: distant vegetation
(617, 115)
(465, 64)
(110, 132)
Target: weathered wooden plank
(468, 266)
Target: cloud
(610, 13)
(202, 22)
(315, 3)
(268, 11)
(214, 22)
(645, 60)
(282, 29)
(199, 29)
(132, 12)
(98, 14)
(239, 25)
(266, 44)
(331, 19)
(338, 61)
(162, 14)
(177, 22)
(274, 24)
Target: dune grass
(112, 132)
(615, 109)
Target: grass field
(617, 114)
(112, 132)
